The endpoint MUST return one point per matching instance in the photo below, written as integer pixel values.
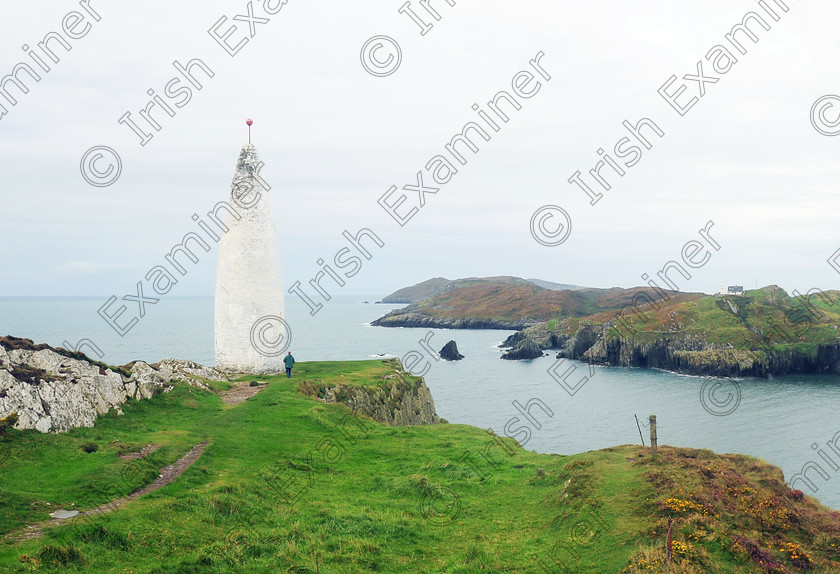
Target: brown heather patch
(743, 505)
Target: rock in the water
(526, 349)
(450, 352)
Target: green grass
(357, 373)
(766, 319)
(289, 484)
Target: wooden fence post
(653, 434)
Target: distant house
(730, 290)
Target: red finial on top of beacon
(249, 121)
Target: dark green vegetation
(493, 304)
(764, 332)
(440, 285)
(289, 484)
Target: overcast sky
(335, 138)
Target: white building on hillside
(732, 290)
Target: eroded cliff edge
(399, 399)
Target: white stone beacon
(249, 317)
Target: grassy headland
(440, 285)
(759, 333)
(763, 332)
(492, 304)
(287, 483)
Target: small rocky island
(449, 352)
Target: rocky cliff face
(762, 333)
(673, 352)
(400, 400)
(51, 391)
(700, 358)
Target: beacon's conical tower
(250, 334)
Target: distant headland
(736, 333)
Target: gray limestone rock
(51, 392)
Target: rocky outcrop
(51, 391)
(449, 352)
(400, 400)
(525, 349)
(173, 370)
(540, 334)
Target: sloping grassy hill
(289, 484)
(439, 285)
(554, 286)
(761, 316)
(505, 306)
